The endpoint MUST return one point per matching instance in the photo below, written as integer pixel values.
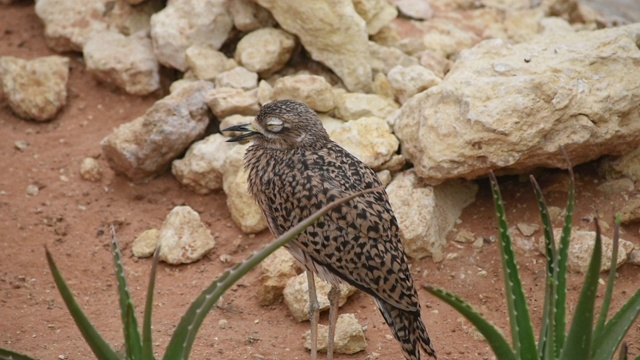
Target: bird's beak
(248, 129)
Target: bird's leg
(313, 315)
(334, 297)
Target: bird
(294, 169)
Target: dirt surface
(71, 216)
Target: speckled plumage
(294, 170)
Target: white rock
(275, 271)
(69, 24)
(368, 138)
(448, 38)
(581, 247)
(377, 13)
(628, 164)
(33, 190)
(265, 92)
(201, 168)
(35, 89)
(617, 186)
(244, 210)
(265, 51)
(496, 109)
(183, 237)
(426, 214)
(145, 147)
(384, 58)
(124, 61)
(249, 16)
(207, 62)
(352, 106)
(228, 101)
(90, 169)
(330, 123)
(146, 243)
(238, 77)
(296, 295)
(332, 32)
(185, 23)
(349, 338)
(312, 90)
(410, 80)
(415, 9)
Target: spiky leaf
(147, 344)
(10, 355)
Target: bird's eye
(274, 124)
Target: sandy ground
(71, 216)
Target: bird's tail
(408, 329)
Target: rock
(312, 90)
(628, 164)
(33, 190)
(395, 164)
(200, 170)
(69, 24)
(385, 177)
(146, 243)
(296, 295)
(145, 147)
(185, 23)
(35, 89)
(581, 247)
(265, 51)
(249, 16)
(523, 25)
(617, 186)
(21, 145)
(527, 229)
(352, 106)
(229, 101)
(90, 169)
(497, 110)
(415, 9)
(275, 271)
(238, 77)
(377, 13)
(124, 61)
(333, 34)
(634, 257)
(384, 58)
(206, 62)
(435, 62)
(265, 92)
(183, 237)
(368, 138)
(448, 38)
(630, 212)
(244, 210)
(330, 123)
(426, 214)
(349, 338)
(408, 81)
(382, 87)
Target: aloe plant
(139, 347)
(586, 338)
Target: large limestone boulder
(513, 107)
(332, 32)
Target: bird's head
(283, 124)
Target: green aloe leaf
(184, 335)
(498, 343)
(98, 345)
(147, 344)
(129, 321)
(605, 345)
(606, 301)
(524, 343)
(560, 276)
(546, 342)
(578, 341)
(10, 355)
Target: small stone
(275, 271)
(223, 324)
(312, 90)
(238, 77)
(146, 243)
(33, 190)
(183, 237)
(229, 101)
(22, 145)
(349, 338)
(478, 243)
(465, 236)
(206, 62)
(617, 186)
(410, 80)
(352, 106)
(296, 295)
(265, 50)
(35, 89)
(249, 16)
(527, 229)
(385, 177)
(90, 169)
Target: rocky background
(430, 94)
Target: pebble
(33, 190)
(22, 145)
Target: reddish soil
(71, 216)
